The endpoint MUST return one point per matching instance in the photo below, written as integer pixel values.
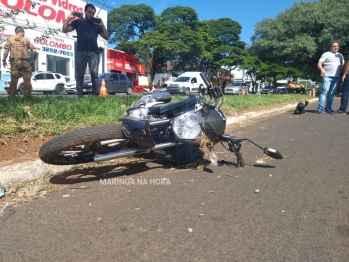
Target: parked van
(186, 83)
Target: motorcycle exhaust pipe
(123, 153)
(130, 152)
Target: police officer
(20, 61)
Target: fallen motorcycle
(172, 131)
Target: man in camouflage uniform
(20, 61)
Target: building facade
(43, 23)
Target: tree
(127, 25)
(177, 36)
(298, 36)
(172, 36)
(180, 26)
(223, 50)
(260, 71)
(130, 22)
(256, 69)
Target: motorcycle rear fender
(138, 132)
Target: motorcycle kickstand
(235, 148)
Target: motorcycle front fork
(235, 148)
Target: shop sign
(53, 12)
(54, 45)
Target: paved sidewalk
(32, 170)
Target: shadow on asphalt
(231, 164)
(86, 174)
(306, 111)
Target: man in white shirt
(330, 65)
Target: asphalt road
(301, 212)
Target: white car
(70, 87)
(46, 82)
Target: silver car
(235, 88)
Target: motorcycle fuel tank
(179, 107)
(164, 97)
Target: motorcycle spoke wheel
(81, 146)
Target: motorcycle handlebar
(216, 93)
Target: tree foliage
(184, 43)
(130, 22)
(177, 36)
(223, 47)
(298, 36)
(260, 71)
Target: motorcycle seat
(155, 110)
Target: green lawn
(52, 115)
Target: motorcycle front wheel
(81, 146)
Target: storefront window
(58, 64)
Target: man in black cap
(20, 61)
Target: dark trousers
(345, 94)
(81, 61)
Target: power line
(102, 3)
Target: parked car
(114, 82)
(235, 88)
(70, 87)
(283, 90)
(46, 82)
(268, 90)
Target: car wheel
(187, 91)
(21, 89)
(129, 90)
(60, 90)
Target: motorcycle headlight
(186, 126)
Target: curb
(33, 170)
(26, 172)
(262, 113)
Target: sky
(245, 12)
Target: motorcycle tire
(81, 146)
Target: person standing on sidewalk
(87, 52)
(20, 61)
(345, 92)
(330, 65)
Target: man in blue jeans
(345, 92)
(330, 65)
(87, 32)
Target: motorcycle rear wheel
(81, 146)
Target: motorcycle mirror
(201, 91)
(273, 153)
